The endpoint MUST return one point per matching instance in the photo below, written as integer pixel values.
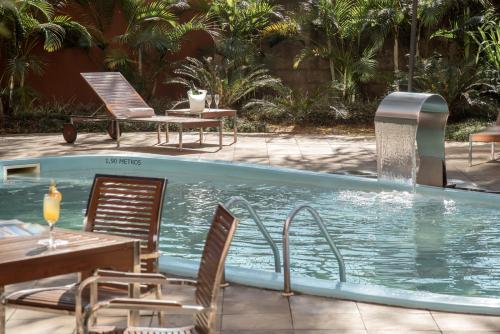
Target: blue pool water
(432, 240)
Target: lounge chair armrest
(181, 281)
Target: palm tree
(153, 28)
(245, 24)
(33, 23)
(384, 19)
(233, 87)
(339, 25)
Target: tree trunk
(417, 48)
(396, 52)
(330, 59)
(139, 61)
(11, 93)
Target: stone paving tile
(330, 321)
(48, 325)
(256, 321)
(398, 331)
(245, 300)
(311, 304)
(374, 309)
(400, 321)
(466, 322)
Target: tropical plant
(384, 19)
(451, 19)
(487, 38)
(234, 87)
(339, 26)
(461, 84)
(245, 24)
(30, 24)
(96, 16)
(154, 31)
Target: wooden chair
(120, 205)
(207, 287)
(488, 135)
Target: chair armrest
(181, 281)
(140, 304)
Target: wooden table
(23, 259)
(213, 113)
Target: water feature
(409, 128)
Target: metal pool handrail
(286, 251)
(233, 201)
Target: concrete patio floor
(247, 310)
(327, 153)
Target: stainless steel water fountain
(410, 129)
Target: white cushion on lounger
(141, 112)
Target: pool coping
(367, 293)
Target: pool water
(396, 238)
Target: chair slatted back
(211, 269)
(117, 94)
(128, 206)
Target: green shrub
(461, 131)
(324, 107)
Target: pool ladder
(287, 291)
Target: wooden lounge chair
(120, 205)
(124, 104)
(207, 286)
(488, 135)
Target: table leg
(135, 290)
(235, 129)
(166, 133)
(158, 130)
(201, 136)
(2, 311)
(180, 136)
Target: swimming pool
(433, 240)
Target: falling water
(396, 152)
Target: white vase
(197, 102)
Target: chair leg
(158, 131)
(201, 136)
(493, 151)
(161, 316)
(166, 133)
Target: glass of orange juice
(51, 213)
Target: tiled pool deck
(250, 311)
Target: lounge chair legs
(118, 134)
